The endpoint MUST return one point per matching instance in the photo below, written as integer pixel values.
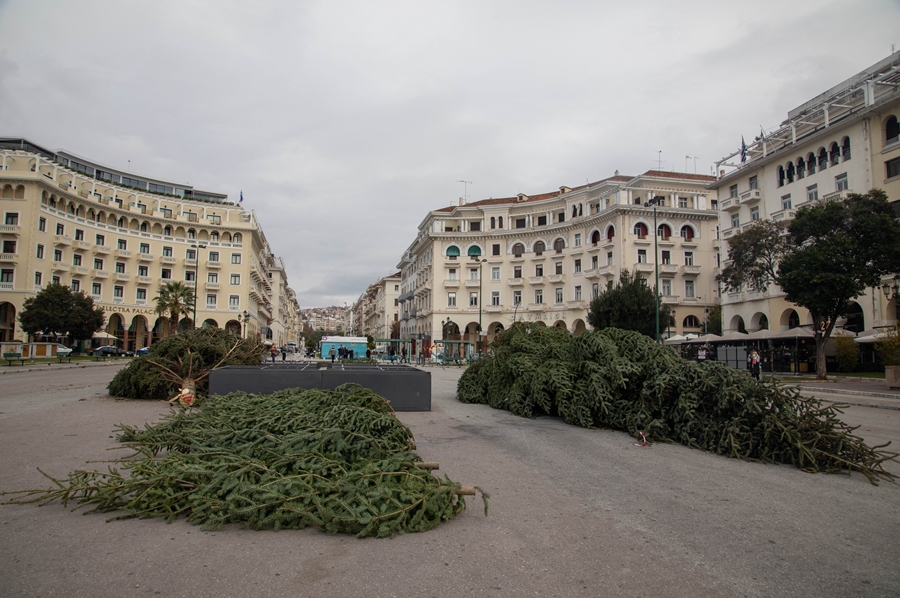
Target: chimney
(617, 173)
(461, 201)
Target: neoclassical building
(842, 141)
(119, 237)
(542, 258)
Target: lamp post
(197, 247)
(892, 291)
(656, 201)
(244, 320)
(480, 287)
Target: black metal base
(406, 388)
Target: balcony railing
(9, 229)
(145, 257)
(100, 249)
(9, 257)
(62, 240)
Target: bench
(66, 357)
(99, 357)
(11, 357)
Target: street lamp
(480, 297)
(196, 247)
(892, 291)
(656, 201)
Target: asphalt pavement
(573, 512)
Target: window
(665, 256)
(211, 300)
(235, 279)
(57, 255)
(120, 267)
(520, 223)
(542, 221)
(76, 260)
(213, 256)
(145, 248)
(539, 248)
(640, 229)
(595, 290)
(190, 254)
(517, 272)
(687, 232)
(143, 271)
(892, 168)
(801, 168)
(234, 301)
(823, 159)
(688, 288)
(100, 240)
(42, 224)
(167, 251)
(76, 284)
(835, 154)
(595, 262)
(495, 249)
(841, 183)
(577, 266)
(666, 286)
(493, 222)
(122, 244)
(539, 296)
(754, 182)
(559, 296)
(60, 229)
(11, 218)
(517, 297)
(735, 220)
(500, 222)
(142, 294)
(692, 322)
(451, 274)
(732, 191)
(664, 231)
(40, 252)
(96, 288)
(577, 239)
(642, 256)
(212, 277)
(682, 202)
(235, 258)
(609, 258)
(539, 270)
(495, 298)
(474, 226)
(495, 273)
(559, 245)
(812, 193)
(451, 299)
(786, 201)
(688, 258)
(518, 249)
(578, 293)
(473, 299)
(558, 268)
(55, 280)
(166, 273)
(473, 273)
(189, 276)
(98, 264)
(754, 213)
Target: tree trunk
(821, 365)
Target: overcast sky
(344, 123)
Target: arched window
(499, 221)
(518, 249)
(453, 252)
(801, 168)
(559, 245)
(790, 172)
(474, 251)
(493, 222)
(823, 159)
(121, 223)
(845, 149)
(192, 234)
(891, 130)
(610, 232)
(214, 237)
(811, 163)
(691, 322)
(640, 229)
(580, 211)
(595, 237)
(687, 232)
(143, 227)
(237, 238)
(781, 176)
(664, 231)
(793, 320)
(167, 231)
(539, 247)
(835, 154)
(574, 211)
(72, 208)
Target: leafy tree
(847, 353)
(56, 310)
(714, 320)
(830, 254)
(629, 305)
(175, 299)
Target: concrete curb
(861, 393)
(53, 366)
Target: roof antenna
(465, 190)
(659, 160)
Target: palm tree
(175, 299)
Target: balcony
(145, 257)
(168, 259)
(492, 309)
(165, 281)
(472, 284)
(516, 282)
(102, 249)
(576, 305)
(750, 197)
(9, 257)
(62, 240)
(212, 264)
(122, 276)
(211, 307)
(144, 280)
(644, 267)
(669, 299)
(191, 284)
(123, 253)
(118, 300)
(537, 280)
(99, 273)
(556, 278)
(668, 269)
(690, 270)
(732, 204)
(81, 244)
(140, 302)
(608, 270)
(592, 274)
(79, 271)
(58, 266)
(212, 286)
(9, 229)
(451, 284)
(535, 307)
(97, 298)
(190, 262)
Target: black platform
(407, 388)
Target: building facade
(120, 237)
(480, 266)
(843, 141)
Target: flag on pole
(242, 197)
(743, 150)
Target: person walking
(273, 353)
(403, 358)
(753, 362)
(331, 353)
(283, 354)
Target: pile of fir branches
(623, 380)
(337, 460)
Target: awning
(104, 335)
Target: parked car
(142, 351)
(111, 350)
(63, 351)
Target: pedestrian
(392, 352)
(350, 353)
(283, 354)
(368, 353)
(273, 353)
(753, 362)
(403, 358)
(331, 353)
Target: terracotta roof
(679, 175)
